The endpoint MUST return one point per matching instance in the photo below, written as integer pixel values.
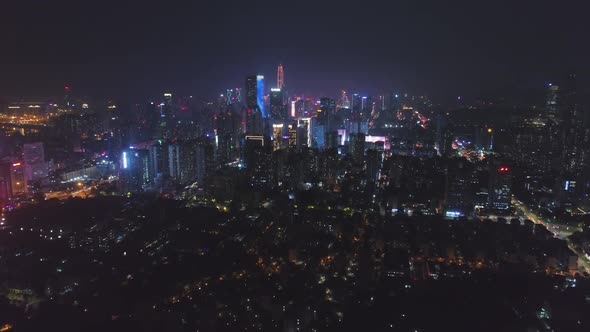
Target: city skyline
(295, 166)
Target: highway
(559, 231)
(83, 192)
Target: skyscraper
(260, 94)
(551, 104)
(251, 92)
(357, 146)
(278, 111)
(255, 108)
(280, 77)
(500, 193)
(34, 159)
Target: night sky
(134, 49)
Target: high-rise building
(166, 122)
(356, 105)
(277, 136)
(318, 132)
(251, 92)
(280, 77)
(187, 161)
(255, 106)
(458, 191)
(357, 146)
(135, 169)
(159, 159)
(500, 192)
(332, 140)
(278, 111)
(227, 131)
(257, 160)
(374, 161)
(13, 181)
(34, 159)
(344, 101)
(260, 91)
(292, 132)
(552, 99)
(304, 132)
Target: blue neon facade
(260, 94)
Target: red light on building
(503, 169)
(67, 88)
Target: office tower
(136, 172)
(34, 159)
(280, 77)
(458, 189)
(227, 131)
(500, 192)
(356, 105)
(278, 111)
(260, 95)
(166, 122)
(344, 101)
(293, 111)
(251, 92)
(159, 159)
(326, 112)
(574, 134)
(277, 136)
(374, 161)
(357, 146)
(318, 132)
(328, 105)
(254, 122)
(187, 161)
(304, 133)
(255, 107)
(332, 140)
(5, 183)
(292, 133)
(13, 181)
(257, 160)
(552, 100)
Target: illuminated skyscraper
(357, 146)
(344, 102)
(552, 94)
(278, 111)
(34, 159)
(260, 95)
(12, 180)
(280, 77)
(251, 92)
(500, 193)
(255, 94)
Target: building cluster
(214, 215)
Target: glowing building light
(293, 109)
(260, 94)
(125, 161)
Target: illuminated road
(559, 231)
(84, 192)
